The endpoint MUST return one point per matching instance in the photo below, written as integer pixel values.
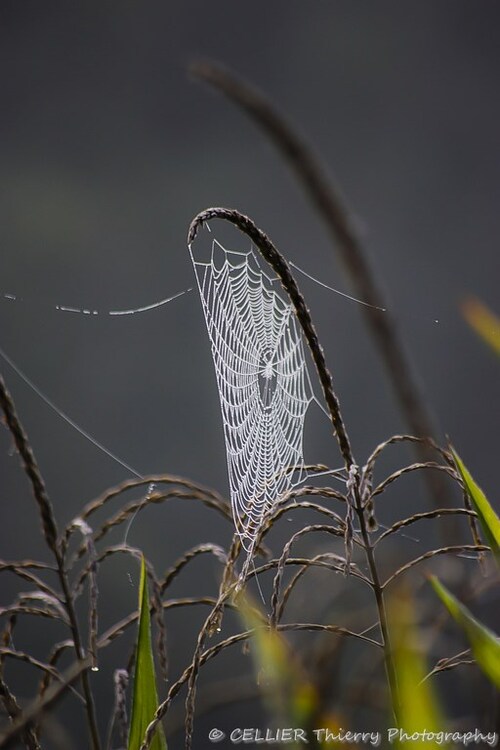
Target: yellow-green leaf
(418, 707)
(483, 321)
(145, 696)
(485, 645)
(490, 523)
(288, 693)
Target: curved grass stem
(51, 537)
(322, 192)
(381, 608)
(282, 270)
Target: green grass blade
(418, 708)
(484, 643)
(490, 523)
(145, 696)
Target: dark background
(107, 150)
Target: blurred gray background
(107, 152)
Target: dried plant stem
(328, 202)
(213, 651)
(13, 709)
(282, 270)
(221, 694)
(75, 631)
(50, 533)
(313, 562)
(156, 479)
(326, 198)
(118, 719)
(378, 591)
(452, 549)
(30, 714)
(382, 615)
(273, 618)
(450, 662)
(31, 468)
(430, 514)
(47, 668)
(326, 556)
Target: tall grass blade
(418, 708)
(145, 696)
(484, 643)
(490, 523)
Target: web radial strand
(263, 383)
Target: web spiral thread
(263, 382)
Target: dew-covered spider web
(263, 382)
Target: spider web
(263, 382)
